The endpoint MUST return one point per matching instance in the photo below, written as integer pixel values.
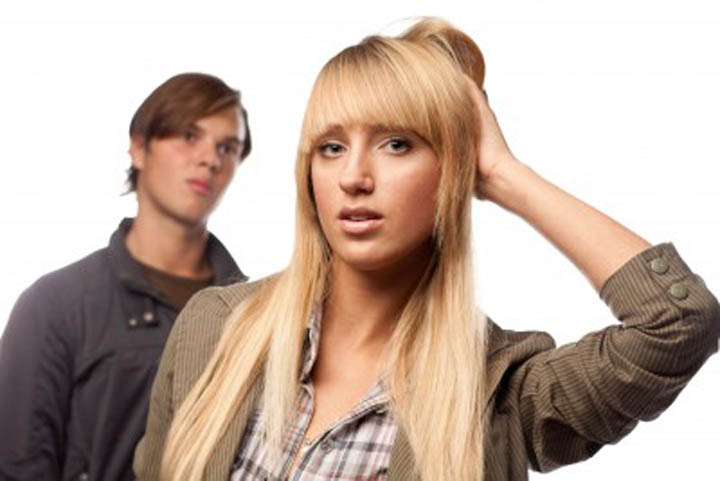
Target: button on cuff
(659, 265)
(678, 291)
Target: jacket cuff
(655, 276)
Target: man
(81, 347)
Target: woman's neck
(362, 306)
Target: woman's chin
(371, 262)
(374, 259)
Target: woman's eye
(398, 145)
(331, 149)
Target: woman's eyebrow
(379, 129)
(333, 129)
(371, 129)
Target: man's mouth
(200, 186)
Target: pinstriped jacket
(546, 406)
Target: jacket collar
(129, 272)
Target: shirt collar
(312, 342)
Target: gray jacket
(77, 361)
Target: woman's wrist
(507, 184)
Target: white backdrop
(617, 102)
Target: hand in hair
(492, 149)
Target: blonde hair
(436, 355)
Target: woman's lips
(360, 226)
(359, 220)
(199, 186)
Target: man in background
(81, 347)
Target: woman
(366, 358)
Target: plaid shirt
(356, 447)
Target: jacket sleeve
(148, 452)
(576, 398)
(35, 387)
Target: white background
(617, 102)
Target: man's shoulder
(66, 284)
(47, 307)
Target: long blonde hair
(435, 367)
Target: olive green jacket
(546, 406)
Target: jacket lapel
(402, 460)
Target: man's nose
(208, 155)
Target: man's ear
(137, 152)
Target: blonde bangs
(380, 82)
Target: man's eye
(188, 136)
(398, 145)
(227, 149)
(331, 149)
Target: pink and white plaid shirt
(356, 447)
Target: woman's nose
(356, 176)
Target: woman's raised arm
(594, 242)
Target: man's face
(183, 177)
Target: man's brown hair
(177, 103)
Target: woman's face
(375, 191)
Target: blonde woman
(367, 358)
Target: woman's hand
(492, 149)
(568, 223)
